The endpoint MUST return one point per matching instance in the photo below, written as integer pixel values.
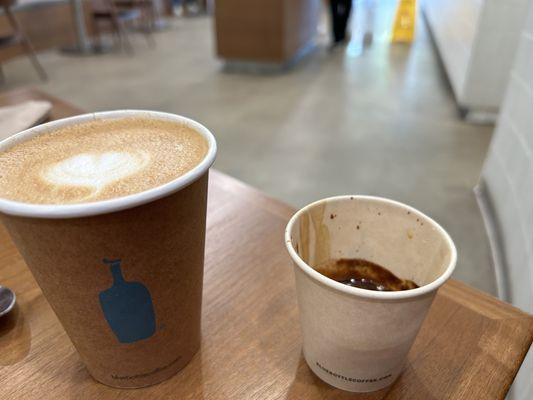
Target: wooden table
(470, 346)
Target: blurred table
(470, 347)
(60, 108)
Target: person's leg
(345, 16)
(336, 20)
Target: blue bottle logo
(127, 307)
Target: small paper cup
(357, 339)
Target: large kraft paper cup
(357, 339)
(124, 276)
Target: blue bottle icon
(127, 307)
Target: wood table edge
(514, 311)
(254, 195)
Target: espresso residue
(363, 274)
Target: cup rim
(370, 294)
(57, 211)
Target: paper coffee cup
(124, 275)
(357, 339)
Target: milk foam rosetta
(99, 160)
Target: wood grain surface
(470, 346)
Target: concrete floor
(378, 121)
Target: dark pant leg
(346, 15)
(340, 13)
(336, 19)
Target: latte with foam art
(99, 160)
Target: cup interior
(12, 207)
(398, 237)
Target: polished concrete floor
(379, 120)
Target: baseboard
(266, 68)
(495, 240)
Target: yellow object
(404, 23)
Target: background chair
(147, 17)
(18, 38)
(119, 16)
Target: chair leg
(124, 37)
(149, 38)
(117, 40)
(149, 18)
(115, 35)
(23, 40)
(33, 58)
(97, 34)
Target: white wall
(477, 41)
(508, 179)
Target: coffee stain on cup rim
(353, 291)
